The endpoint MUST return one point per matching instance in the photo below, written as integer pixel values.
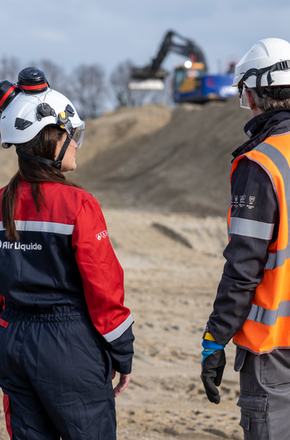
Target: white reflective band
(57, 228)
(119, 330)
(251, 228)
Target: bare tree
(89, 90)
(120, 80)
(56, 77)
(9, 69)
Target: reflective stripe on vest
(278, 259)
(269, 317)
(268, 323)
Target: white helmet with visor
(266, 68)
(30, 105)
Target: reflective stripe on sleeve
(269, 317)
(251, 228)
(57, 228)
(115, 334)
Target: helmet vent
(22, 124)
(69, 110)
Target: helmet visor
(78, 134)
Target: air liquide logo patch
(103, 234)
(16, 245)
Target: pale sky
(107, 32)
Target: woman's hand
(122, 384)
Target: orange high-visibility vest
(268, 324)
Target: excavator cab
(191, 82)
(187, 77)
(194, 85)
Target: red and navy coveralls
(64, 325)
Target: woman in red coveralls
(64, 329)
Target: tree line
(88, 87)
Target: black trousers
(56, 376)
(264, 394)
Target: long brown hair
(35, 173)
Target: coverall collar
(262, 126)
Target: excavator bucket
(146, 84)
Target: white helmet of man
(266, 64)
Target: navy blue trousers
(56, 376)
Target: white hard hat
(30, 105)
(267, 64)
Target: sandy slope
(158, 158)
(170, 289)
(172, 266)
(161, 176)
(178, 161)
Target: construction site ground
(161, 176)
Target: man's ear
(253, 106)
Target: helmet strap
(31, 145)
(36, 158)
(281, 65)
(56, 164)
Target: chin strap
(57, 163)
(54, 163)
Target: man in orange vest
(252, 304)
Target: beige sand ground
(170, 287)
(144, 165)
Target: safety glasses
(243, 101)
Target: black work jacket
(246, 256)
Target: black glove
(212, 373)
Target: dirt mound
(158, 158)
(154, 157)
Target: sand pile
(158, 158)
(154, 157)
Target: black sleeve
(121, 351)
(253, 198)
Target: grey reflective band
(281, 163)
(278, 259)
(56, 228)
(269, 317)
(251, 228)
(119, 330)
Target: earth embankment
(158, 158)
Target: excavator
(191, 83)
